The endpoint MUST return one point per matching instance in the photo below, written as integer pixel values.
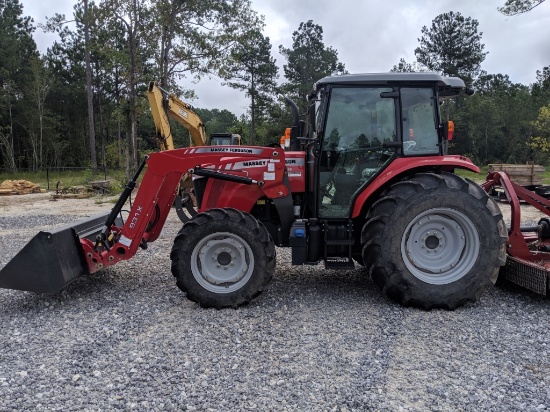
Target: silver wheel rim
(222, 262)
(440, 246)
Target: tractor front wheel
(434, 241)
(223, 258)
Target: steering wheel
(409, 145)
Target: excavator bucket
(51, 259)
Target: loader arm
(54, 258)
(158, 190)
(164, 105)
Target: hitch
(528, 247)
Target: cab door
(358, 127)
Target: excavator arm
(164, 105)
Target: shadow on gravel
(518, 291)
(315, 285)
(304, 286)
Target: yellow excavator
(164, 105)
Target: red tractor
(366, 180)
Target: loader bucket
(51, 259)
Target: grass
(476, 177)
(117, 178)
(480, 177)
(69, 178)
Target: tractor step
(339, 263)
(339, 243)
(52, 259)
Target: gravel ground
(317, 340)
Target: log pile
(524, 175)
(19, 187)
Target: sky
(369, 36)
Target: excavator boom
(164, 104)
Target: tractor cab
(362, 123)
(359, 125)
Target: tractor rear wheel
(223, 258)
(434, 241)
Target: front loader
(368, 183)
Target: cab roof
(393, 78)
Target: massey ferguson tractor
(366, 180)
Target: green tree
(86, 21)
(85, 16)
(253, 70)
(452, 46)
(404, 67)
(18, 49)
(514, 7)
(136, 19)
(491, 83)
(540, 142)
(195, 37)
(38, 91)
(67, 100)
(216, 120)
(540, 90)
(308, 61)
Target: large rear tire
(434, 241)
(223, 258)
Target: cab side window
(419, 121)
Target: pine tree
(308, 61)
(254, 71)
(452, 46)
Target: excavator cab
(224, 139)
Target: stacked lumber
(18, 187)
(524, 175)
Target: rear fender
(405, 165)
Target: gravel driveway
(318, 340)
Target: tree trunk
(6, 148)
(132, 101)
(253, 110)
(12, 146)
(252, 122)
(166, 43)
(93, 156)
(102, 129)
